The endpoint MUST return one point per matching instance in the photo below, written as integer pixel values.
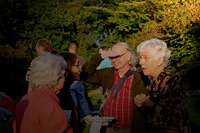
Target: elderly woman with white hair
(164, 101)
(39, 110)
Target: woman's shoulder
(170, 75)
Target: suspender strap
(117, 87)
(119, 84)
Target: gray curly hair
(46, 70)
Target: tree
(102, 22)
(173, 22)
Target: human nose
(141, 61)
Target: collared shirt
(39, 112)
(120, 107)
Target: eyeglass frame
(117, 57)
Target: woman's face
(149, 63)
(76, 68)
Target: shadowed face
(76, 68)
(122, 60)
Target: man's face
(123, 57)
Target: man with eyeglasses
(118, 100)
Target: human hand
(108, 53)
(142, 100)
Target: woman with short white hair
(164, 100)
(39, 110)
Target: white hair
(46, 70)
(157, 47)
(133, 58)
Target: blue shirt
(105, 63)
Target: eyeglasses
(116, 57)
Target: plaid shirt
(120, 107)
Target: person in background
(7, 106)
(164, 100)
(106, 62)
(118, 100)
(74, 92)
(39, 111)
(72, 48)
(42, 47)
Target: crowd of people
(57, 101)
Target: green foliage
(177, 18)
(6, 127)
(13, 14)
(173, 22)
(14, 64)
(193, 108)
(185, 56)
(101, 22)
(119, 21)
(95, 98)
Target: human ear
(128, 56)
(160, 61)
(59, 85)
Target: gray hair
(46, 70)
(159, 46)
(133, 58)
